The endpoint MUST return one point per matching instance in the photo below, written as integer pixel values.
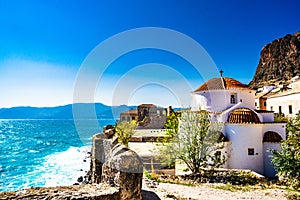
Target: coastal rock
(279, 62)
(83, 192)
(109, 131)
(80, 179)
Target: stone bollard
(118, 166)
(124, 169)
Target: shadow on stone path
(149, 195)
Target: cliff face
(279, 61)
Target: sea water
(40, 153)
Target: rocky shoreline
(87, 178)
(83, 192)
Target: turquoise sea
(37, 153)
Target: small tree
(172, 124)
(287, 161)
(194, 141)
(125, 130)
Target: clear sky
(44, 43)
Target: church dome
(222, 83)
(243, 115)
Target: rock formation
(279, 62)
(82, 192)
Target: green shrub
(125, 130)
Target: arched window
(271, 136)
(233, 98)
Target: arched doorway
(271, 140)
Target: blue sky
(44, 43)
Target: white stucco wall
(200, 101)
(219, 100)
(284, 102)
(280, 129)
(247, 97)
(242, 137)
(267, 117)
(275, 127)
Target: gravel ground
(166, 191)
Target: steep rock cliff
(279, 61)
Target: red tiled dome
(243, 115)
(221, 84)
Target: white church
(250, 132)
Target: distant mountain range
(83, 110)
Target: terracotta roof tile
(243, 115)
(130, 112)
(221, 84)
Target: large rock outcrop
(279, 62)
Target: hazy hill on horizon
(64, 112)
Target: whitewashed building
(286, 102)
(250, 132)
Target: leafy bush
(125, 130)
(287, 161)
(280, 118)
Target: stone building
(129, 115)
(148, 116)
(250, 132)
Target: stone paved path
(166, 191)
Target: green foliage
(149, 175)
(293, 196)
(193, 140)
(287, 161)
(172, 125)
(280, 118)
(125, 130)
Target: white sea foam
(63, 168)
(32, 151)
